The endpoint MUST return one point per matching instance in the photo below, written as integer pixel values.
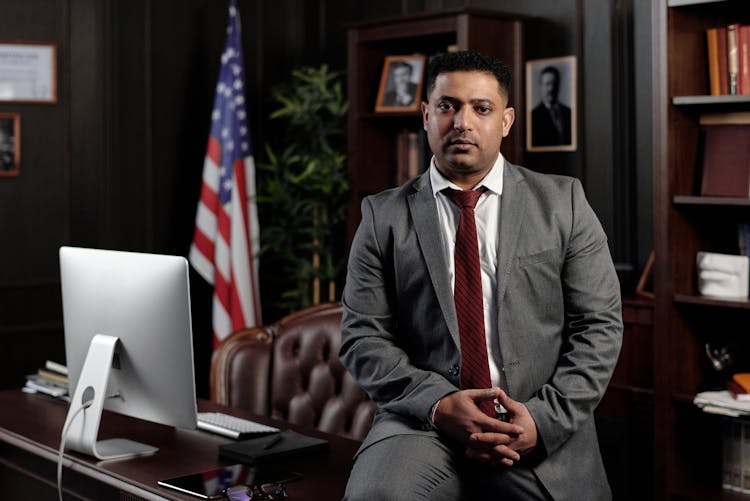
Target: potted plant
(302, 190)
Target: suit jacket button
(454, 370)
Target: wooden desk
(30, 428)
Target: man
(404, 91)
(550, 119)
(7, 156)
(551, 326)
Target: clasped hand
(487, 439)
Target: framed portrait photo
(401, 84)
(551, 90)
(10, 144)
(28, 72)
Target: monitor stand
(91, 391)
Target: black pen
(275, 440)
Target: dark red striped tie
(467, 294)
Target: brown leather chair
(290, 370)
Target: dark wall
(117, 161)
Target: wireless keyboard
(231, 426)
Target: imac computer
(128, 344)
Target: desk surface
(30, 428)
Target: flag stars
(216, 115)
(227, 55)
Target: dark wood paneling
(625, 415)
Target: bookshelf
(372, 137)
(687, 442)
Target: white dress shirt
(487, 216)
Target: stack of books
(734, 401)
(52, 380)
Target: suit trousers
(423, 467)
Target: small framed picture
(10, 144)
(551, 113)
(401, 84)
(28, 72)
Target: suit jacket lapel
(512, 209)
(424, 214)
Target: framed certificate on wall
(28, 72)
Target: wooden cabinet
(687, 442)
(372, 136)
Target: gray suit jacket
(559, 311)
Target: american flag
(227, 238)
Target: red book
(726, 161)
(744, 68)
(737, 391)
(722, 56)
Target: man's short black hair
(469, 60)
(402, 64)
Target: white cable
(62, 447)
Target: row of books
(735, 471)
(729, 59)
(410, 155)
(52, 380)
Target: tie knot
(465, 198)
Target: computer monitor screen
(139, 304)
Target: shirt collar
(493, 181)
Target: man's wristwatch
(501, 412)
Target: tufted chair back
(291, 371)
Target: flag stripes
(226, 239)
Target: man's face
(401, 75)
(549, 87)
(466, 119)
(5, 141)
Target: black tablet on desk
(284, 443)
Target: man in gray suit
(551, 306)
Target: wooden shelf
(704, 494)
(689, 200)
(682, 3)
(714, 302)
(711, 101)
